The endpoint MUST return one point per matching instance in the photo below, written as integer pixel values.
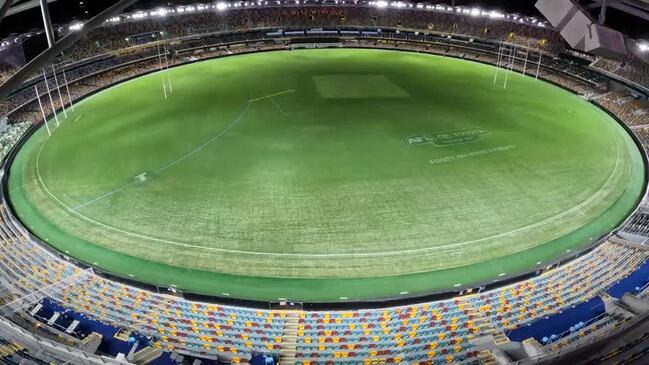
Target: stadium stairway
(9, 348)
(487, 358)
(483, 322)
(289, 338)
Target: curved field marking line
(104, 195)
(574, 209)
(215, 137)
(271, 95)
(370, 254)
(172, 163)
(192, 152)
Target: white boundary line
(574, 209)
(369, 254)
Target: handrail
(590, 338)
(28, 339)
(567, 332)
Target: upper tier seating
(634, 69)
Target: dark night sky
(63, 11)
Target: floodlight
(76, 26)
(495, 14)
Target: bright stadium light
(160, 12)
(643, 47)
(76, 26)
(495, 14)
(222, 5)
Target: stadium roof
(18, 6)
(629, 16)
(638, 8)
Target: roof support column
(4, 7)
(49, 54)
(47, 23)
(602, 13)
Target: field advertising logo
(449, 138)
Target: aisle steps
(289, 338)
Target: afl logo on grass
(449, 138)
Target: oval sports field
(325, 175)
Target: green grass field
(320, 174)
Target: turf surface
(321, 174)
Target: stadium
(324, 182)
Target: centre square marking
(449, 137)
